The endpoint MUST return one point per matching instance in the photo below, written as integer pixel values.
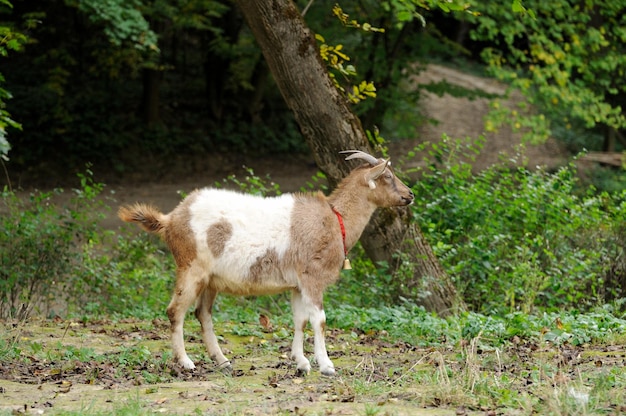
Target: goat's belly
(261, 285)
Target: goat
(226, 241)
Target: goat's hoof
(328, 372)
(187, 364)
(225, 368)
(302, 372)
(303, 369)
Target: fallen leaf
(265, 323)
(558, 323)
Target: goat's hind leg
(185, 293)
(205, 316)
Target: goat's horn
(378, 171)
(357, 154)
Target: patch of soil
(460, 117)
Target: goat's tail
(148, 217)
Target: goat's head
(386, 189)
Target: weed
(132, 406)
(134, 279)
(484, 369)
(371, 410)
(252, 184)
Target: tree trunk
(329, 126)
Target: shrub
(516, 239)
(133, 276)
(55, 258)
(40, 247)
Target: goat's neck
(356, 213)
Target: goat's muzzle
(408, 200)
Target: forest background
(126, 88)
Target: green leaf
(517, 6)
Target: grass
(468, 362)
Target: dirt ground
(107, 366)
(99, 366)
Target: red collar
(343, 230)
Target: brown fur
(217, 236)
(148, 217)
(315, 246)
(266, 265)
(179, 236)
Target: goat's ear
(375, 173)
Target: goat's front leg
(205, 316)
(304, 309)
(318, 322)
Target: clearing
(100, 366)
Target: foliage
(10, 40)
(367, 285)
(5, 121)
(515, 239)
(605, 179)
(336, 60)
(409, 10)
(252, 184)
(558, 328)
(567, 58)
(390, 55)
(40, 263)
(91, 273)
(122, 21)
(133, 279)
(84, 98)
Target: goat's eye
(388, 176)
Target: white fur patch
(258, 225)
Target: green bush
(132, 279)
(55, 258)
(515, 239)
(40, 247)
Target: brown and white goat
(226, 241)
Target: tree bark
(329, 126)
